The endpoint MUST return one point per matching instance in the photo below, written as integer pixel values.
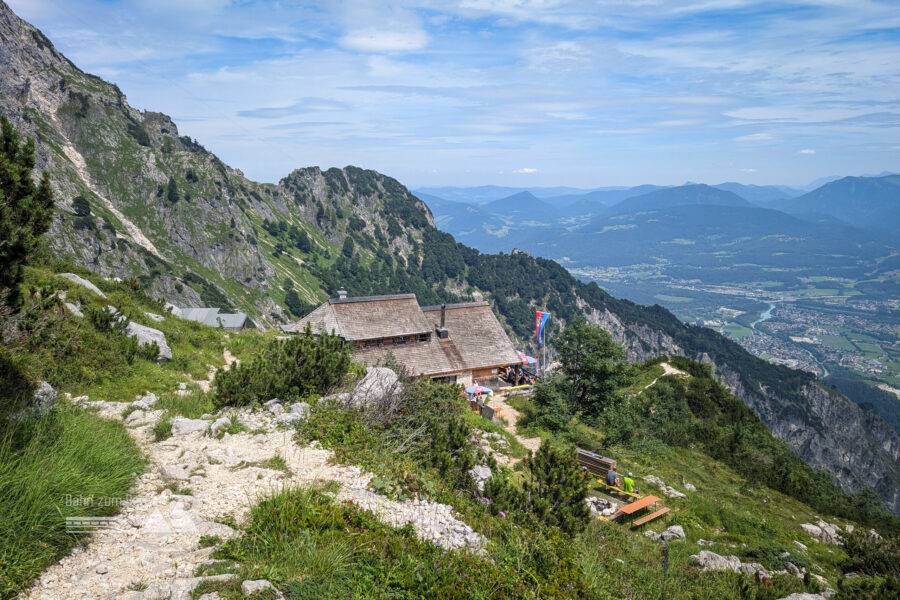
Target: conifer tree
(25, 209)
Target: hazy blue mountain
(463, 217)
(760, 194)
(678, 196)
(523, 205)
(709, 235)
(861, 201)
(488, 193)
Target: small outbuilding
(213, 318)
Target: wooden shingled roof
(478, 338)
(367, 318)
(476, 341)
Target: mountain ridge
(860, 201)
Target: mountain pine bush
(25, 209)
(293, 368)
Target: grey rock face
(147, 335)
(75, 310)
(135, 417)
(174, 473)
(83, 282)
(146, 401)
(182, 426)
(250, 587)
(480, 473)
(379, 383)
(220, 424)
(753, 569)
(44, 399)
(300, 408)
(804, 596)
(672, 533)
(290, 417)
(710, 561)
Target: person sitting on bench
(628, 483)
(612, 477)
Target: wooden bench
(614, 490)
(651, 516)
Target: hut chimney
(342, 293)
(441, 331)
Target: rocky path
(195, 483)
(667, 370)
(511, 416)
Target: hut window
(399, 341)
(423, 337)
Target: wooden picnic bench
(630, 509)
(613, 489)
(655, 515)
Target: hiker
(628, 483)
(612, 477)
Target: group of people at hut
(515, 375)
(625, 484)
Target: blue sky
(509, 92)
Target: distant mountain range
(862, 201)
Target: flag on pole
(540, 318)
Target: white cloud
(378, 40)
(525, 170)
(745, 170)
(807, 151)
(754, 137)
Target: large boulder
(182, 426)
(146, 401)
(804, 596)
(753, 569)
(823, 531)
(253, 586)
(83, 283)
(710, 561)
(378, 384)
(671, 534)
(480, 473)
(220, 424)
(300, 408)
(147, 335)
(44, 399)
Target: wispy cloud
(303, 106)
(748, 170)
(807, 151)
(754, 137)
(436, 91)
(526, 170)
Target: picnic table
(630, 509)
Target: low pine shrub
(552, 491)
(288, 369)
